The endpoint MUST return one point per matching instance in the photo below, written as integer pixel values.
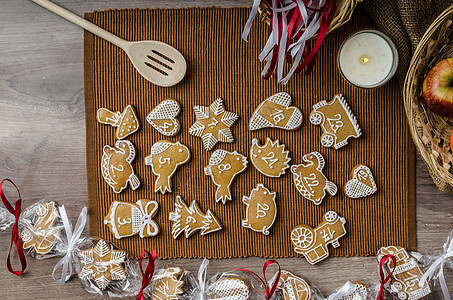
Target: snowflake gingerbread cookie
(164, 159)
(102, 264)
(223, 168)
(127, 219)
(261, 209)
(271, 159)
(163, 117)
(309, 179)
(126, 122)
(116, 166)
(276, 112)
(213, 124)
(336, 120)
(189, 219)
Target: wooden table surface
(42, 148)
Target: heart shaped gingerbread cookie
(362, 183)
(276, 112)
(163, 117)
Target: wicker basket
(345, 8)
(431, 133)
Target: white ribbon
(347, 289)
(248, 24)
(73, 237)
(439, 263)
(202, 277)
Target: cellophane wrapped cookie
(354, 290)
(171, 282)
(294, 287)
(237, 285)
(106, 270)
(40, 229)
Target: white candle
(367, 58)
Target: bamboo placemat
(220, 64)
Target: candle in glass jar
(367, 58)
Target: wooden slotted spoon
(157, 62)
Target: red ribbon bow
(269, 292)
(148, 274)
(384, 279)
(15, 239)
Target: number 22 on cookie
(311, 181)
(278, 116)
(120, 168)
(335, 122)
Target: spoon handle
(82, 23)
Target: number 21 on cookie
(278, 116)
(270, 160)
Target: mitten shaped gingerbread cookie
(116, 166)
(163, 117)
(164, 159)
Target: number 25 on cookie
(278, 116)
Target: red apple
(438, 88)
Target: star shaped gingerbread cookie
(213, 124)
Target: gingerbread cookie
(126, 122)
(167, 284)
(293, 287)
(223, 167)
(310, 180)
(360, 292)
(102, 264)
(116, 166)
(190, 219)
(261, 209)
(126, 219)
(231, 287)
(312, 242)
(164, 159)
(276, 112)
(42, 236)
(362, 183)
(163, 117)
(270, 159)
(337, 122)
(213, 124)
(405, 280)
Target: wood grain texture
(43, 147)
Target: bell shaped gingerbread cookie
(312, 242)
(362, 183)
(336, 120)
(189, 219)
(42, 236)
(223, 167)
(310, 180)
(126, 219)
(261, 209)
(102, 264)
(163, 117)
(270, 159)
(116, 166)
(293, 287)
(164, 159)
(126, 121)
(276, 112)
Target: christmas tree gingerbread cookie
(270, 159)
(127, 219)
(337, 122)
(42, 236)
(312, 242)
(223, 168)
(189, 219)
(102, 264)
(167, 284)
(362, 183)
(213, 124)
(116, 166)
(126, 121)
(276, 112)
(164, 159)
(293, 287)
(261, 209)
(163, 117)
(310, 180)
